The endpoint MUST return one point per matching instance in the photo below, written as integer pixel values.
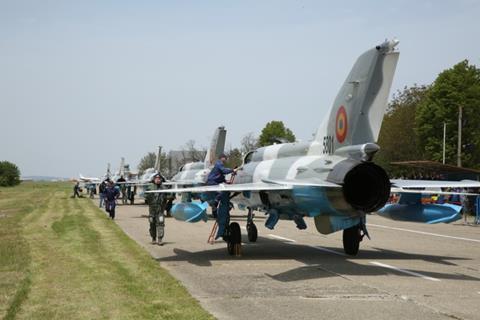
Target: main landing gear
(352, 238)
(233, 237)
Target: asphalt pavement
(406, 271)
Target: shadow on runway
(320, 264)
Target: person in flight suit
(156, 207)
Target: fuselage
(191, 174)
(291, 162)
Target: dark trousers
(110, 208)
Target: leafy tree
(149, 160)
(398, 139)
(191, 153)
(275, 131)
(454, 87)
(249, 142)
(235, 158)
(9, 174)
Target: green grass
(62, 258)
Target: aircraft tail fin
(357, 113)
(217, 146)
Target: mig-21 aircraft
(195, 173)
(332, 179)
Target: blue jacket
(111, 193)
(217, 175)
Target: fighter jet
(150, 172)
(125, 172)
(332, 179)
(195, 173)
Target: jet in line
(332, 179)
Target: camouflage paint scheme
(333, 178)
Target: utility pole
(157, 162)
(459, 147)
(444, 137)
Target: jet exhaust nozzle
(366, 187)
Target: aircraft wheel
(351, 240)
(252, 232)
(234, 239)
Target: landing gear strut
(251, 227)
(351, 240)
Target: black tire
(234, 237)
(252, 232)
(351, 240)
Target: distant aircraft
(147, 176)
(332, 179)
(89, 179)
(124, 171)
(192, 173)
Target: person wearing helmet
(221, 204)
(156, 207)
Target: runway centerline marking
(308, 245)
(423, 232)
(281, 238)
(327, 250)
(404, 271)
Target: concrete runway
(407, 270)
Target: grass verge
(61, 258)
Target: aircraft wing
(431, 191)
(312, 182)
(180, 183)
(434, 184)
(265, 185)
(256, 186)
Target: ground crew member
(221, 203)
(123, 188)
(156, 206)
(76, 190)
(131, 192)
(92, 189)
(101, 192)
(111, 195)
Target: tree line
(413, 125)
(9, 174)
(273, 132)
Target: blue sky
(83, 83)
